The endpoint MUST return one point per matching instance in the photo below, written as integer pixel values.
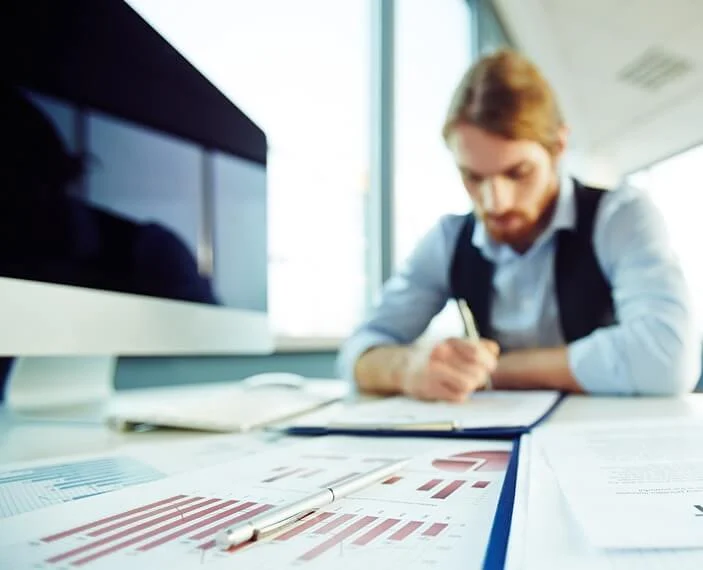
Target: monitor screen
(96, 201)
(132, 200)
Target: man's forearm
(541, 368)
(380, 370)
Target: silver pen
(261, 525)
(472, 333)
(467, 318)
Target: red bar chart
(151, 526)
(431, 484)
(392, 480)
(189, 523)
(489, 460)
(450, 488)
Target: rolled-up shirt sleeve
(409, 299)
(655, 349)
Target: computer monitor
(157, 243)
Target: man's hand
(451, 370)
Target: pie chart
(474, 461)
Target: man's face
(512, 183)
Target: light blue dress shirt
(654, 349)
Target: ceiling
(629, 73)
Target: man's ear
(562, 141)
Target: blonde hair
(505, 94)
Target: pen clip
(261, 533)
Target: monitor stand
(52, 386)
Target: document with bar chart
(33, 485)
(437, 512)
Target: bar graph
(359, 530)
(448, 489)
(283, 475)
(473, 461)
(419, 517)
(23, 490)
(186, 524)
(194, 519)
(286, 472)
(338, 480)
(392, 480)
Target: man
(572, 288)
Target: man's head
(506, 133)
(35, 162)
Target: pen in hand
(472, 333)
(467, 318)
(264, 524)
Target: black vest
(584, 295)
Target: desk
(25, 440)
(80, 430)
(22, 439)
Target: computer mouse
(274, 379)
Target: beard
(520, 228)
(510, 228)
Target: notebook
(485, 414)
(224, 407)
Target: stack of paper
(620, 495)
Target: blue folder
(497, 549)
(509, 432)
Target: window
(492, 34)
(432, 53)
(674, 184)
(301, 71)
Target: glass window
(675, 185)
(491, 31)
(432, 53)
(301, 71)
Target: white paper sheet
(516, 543)
(548, 538)
(636, 485)
(436, 513)
(483, 409)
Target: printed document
(30, 485)
(436, 512)
(632, 485)
(544, 535)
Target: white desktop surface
(23, 439)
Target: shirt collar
(564, 218)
